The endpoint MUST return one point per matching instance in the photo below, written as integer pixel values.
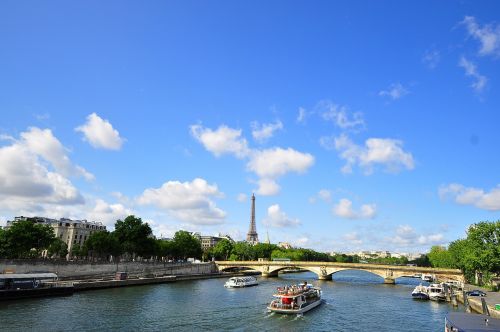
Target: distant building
(285, 245)
(208, 241)
(71, 232)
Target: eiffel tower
(252, 236)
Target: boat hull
(302, 310)
(14, 294)
(241, 286)
(420, 296)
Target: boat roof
(28, 276)
(472, 322)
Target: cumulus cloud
(340, 116)
(394, 91)
(261, 133)
(487, 35)
(224, 140)
(267, 164)
(472, 196)
(100, 133)
(377, 151)
(344, 209)
(406, 236)
(35, 169)
(268, 187)
(108, 213)
(471, 70)
(277, 218)
(275, 162)
(324, 194)
(186, 201)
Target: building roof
(28, 276)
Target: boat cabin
(11, 281)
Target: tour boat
(238, 282)
(296, 299)
(420, 293)
(427, 277)
(436, 292)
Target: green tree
(57, 248)
(440, 257)
(134, 236)
(222, 249)
(186, 246)
(25, 239)
(242, 251)
(102, 244)
(264, 250)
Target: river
(355, 301)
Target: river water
(355, 301)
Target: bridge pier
(389, 281)
(270, 274)
(325, 277)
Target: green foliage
(222, 250)
(441, 257)
(57, 248)
(423, 260)
(102, 244)
(186, 246)
(135, 236)
(243, 251)
(25, 239)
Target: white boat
(420, 292)
(238, 282)
(427, 277)
(436, 292)
(296, 299)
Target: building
(208, 241)
(71, 232)
(252, 236)
(285, 245)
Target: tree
(440, 257)
(57, 248)
(186, 245)
(25, 239)
(243, 251)
(134, 236)
(264, 250)
(222, 249)
(103, 244)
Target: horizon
(358, 128)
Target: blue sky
(358, 125)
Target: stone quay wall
(68, 270)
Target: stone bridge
(325, 270)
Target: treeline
(478, 255)
(131, 239)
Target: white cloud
(324, 194)
(406, 236)
(395, 91)
(377, 151)
(107, 213)
(261, 133)
(242, 197)
(267, 187)
(31, 172)
(187, 201)
(277, 218)
(471, 70)
(224, 140)
(488, 36)
(301, 117)
(100, 133)
(275, 162)
(431, 58)
(267, 164)
(353, 238)
(472, 196)
(340, 116)
(344, 209)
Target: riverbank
(475, 303)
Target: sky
(358, 125)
